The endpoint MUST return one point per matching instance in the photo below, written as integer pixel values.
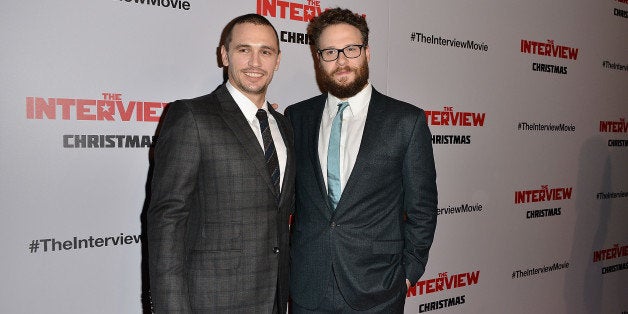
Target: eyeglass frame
(320, 52)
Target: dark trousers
(334, 302)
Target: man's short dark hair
(337, 16)
(247, 18)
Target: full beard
(345, 90)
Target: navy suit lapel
(314, 126)
(236, 121)
(368, 146)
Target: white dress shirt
(249, 109)
(353, 120)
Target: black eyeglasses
(331, 54)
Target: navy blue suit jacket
(382, 230)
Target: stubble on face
(250, 72)
(252, 58)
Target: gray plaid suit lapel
(236, 121)
(288, 141)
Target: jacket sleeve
(420, 199)
(177, 156)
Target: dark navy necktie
(270, 153)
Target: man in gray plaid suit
(223, 187)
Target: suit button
(276, 250)
(333, 224)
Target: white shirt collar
(357, 103)
(248, 108)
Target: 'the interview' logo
(545, 194)
(449, 117)
(444, 282)
(549, 49)
(619, 126)
(294, 11)
(110, 108)
(453, 118)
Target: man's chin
(344, 80)
(254, 89)
(343, 84)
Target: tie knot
(342, 106)
(261, 114)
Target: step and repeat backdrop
(527, 102)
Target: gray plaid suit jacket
(217, 237)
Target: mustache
(342, 69)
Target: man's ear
(224, 56)
(278, 61)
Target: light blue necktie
(333, 157)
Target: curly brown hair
(337, 16)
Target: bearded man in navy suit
(366, 195)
